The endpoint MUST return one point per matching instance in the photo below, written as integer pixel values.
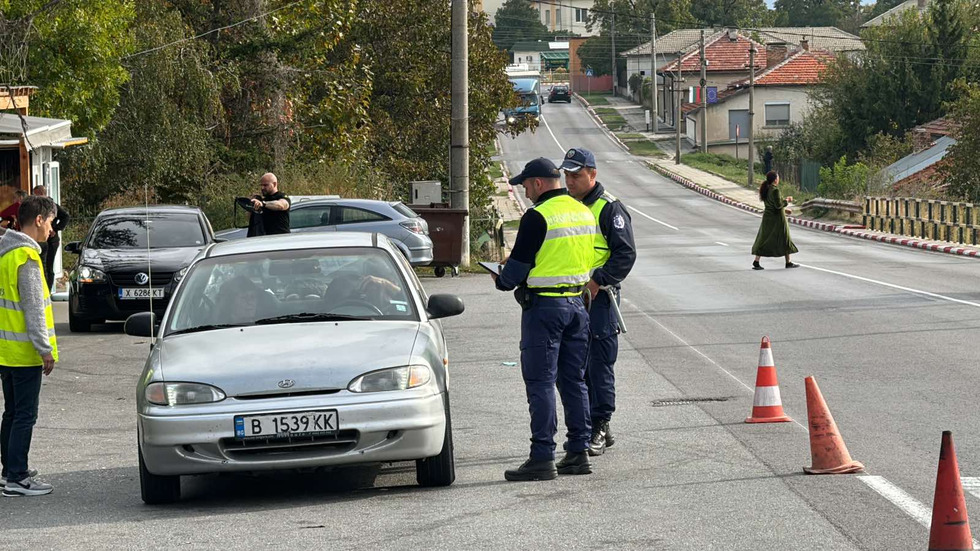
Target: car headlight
(90, 275)
(181, 394)
(180, 275)
(394, 378)
(511, 120)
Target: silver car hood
(254, 360)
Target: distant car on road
(295, 352)
(319, 213)
(559, 93)
(129, 256)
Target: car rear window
(404, 211)
(154, 231)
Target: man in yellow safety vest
(550, 265)
(27, 342)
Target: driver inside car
(374, 286)
(240, 301)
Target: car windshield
(155, 231)
(294, 286)
(529, 100)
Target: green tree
(75, 51)
(516, 21)
(961, 166)
(813, 13)
(632, 28)
(732, 12)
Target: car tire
(156, 489)
(77, 324)
(440, 271)
(440, 470)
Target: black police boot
(575, 463)
(609, 437)
(533, 470)
(598, 442)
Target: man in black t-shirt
(271, 215)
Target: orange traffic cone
(827, 449)
(950, 524)
(767, 407)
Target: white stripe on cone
(767, 396)
(765, 358)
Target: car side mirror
(444, 306)
(75, 247)
(220, 240)
(143, 324)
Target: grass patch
(628, 136)
(613, 121)
(737, 171)
(495, 171)
(512, 224)
(726, 166)
(597, 98)
(606, 111)
(644, 148)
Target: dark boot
(575, 463)
(609, 437)
(756, 265)
(599, 440)
(532, 469)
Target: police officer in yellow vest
(550, 265)
(27, 341)
(615, 256)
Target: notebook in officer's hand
(492, 267)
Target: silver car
(295, 351)
(329, 213)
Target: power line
(212, 31)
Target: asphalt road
(895, 365)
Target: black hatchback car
(559, 93)
(130, 256)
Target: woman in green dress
(773, 237)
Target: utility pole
(653, 68)
(615, 80)
(459, 152)
(677, 111)
(704, 98)
(751, 117)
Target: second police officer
(550, 266)
(615, 256)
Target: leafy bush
(844, 181)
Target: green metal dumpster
(446, 232)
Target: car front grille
(341, 442)
(129, 278)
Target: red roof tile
(804, 67)
(723, 55)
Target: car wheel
(77, 324)
(155, 489)
(441, 469)
(440, 271)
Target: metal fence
(923, 218)
(804, 174)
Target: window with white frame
(558, 16)
(581, 15)
(547, 17)
(777, 113)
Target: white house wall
(797, 97)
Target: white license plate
(303, 423)
(141, 293)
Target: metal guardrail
(924, 218)
(833, 204)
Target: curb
(848, 230)
(510, 188)
(602, 125)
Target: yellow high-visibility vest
(601, 245)
(16, 349)
(563, 265)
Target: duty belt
(571, 289)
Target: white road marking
(971, 484)
(652, 218)
(720, 243)
(698, 352)
(893, 286)
(901, 499)
(548, 126)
